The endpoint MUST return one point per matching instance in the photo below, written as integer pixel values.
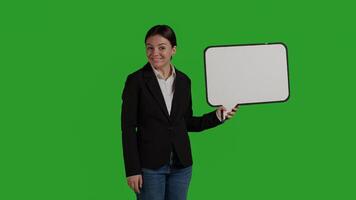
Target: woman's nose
(155, 52)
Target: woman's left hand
(230, 114)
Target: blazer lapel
(153, 86)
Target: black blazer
(148, 132)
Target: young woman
(155, 120)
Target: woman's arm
(129, 122)
(208, 120)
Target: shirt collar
(159, 75)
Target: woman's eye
(162, 48)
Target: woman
(156, 116)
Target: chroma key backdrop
(63, 65)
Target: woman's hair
(164, 31)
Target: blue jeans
(165, 183)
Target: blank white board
(246, 74)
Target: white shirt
(167, 87)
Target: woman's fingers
(235, 108)
(136, 187)
(231, 113)
(132, 185)
(140, 181)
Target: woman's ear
(174, 49)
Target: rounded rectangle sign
(246, 74)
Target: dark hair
(164, 31)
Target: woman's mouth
(156, 59)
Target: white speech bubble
(246, 74)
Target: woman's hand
(135, 182)
(230, 114)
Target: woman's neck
(166, 71)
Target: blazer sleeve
(129, 123)
(197, 124)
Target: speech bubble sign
(246, 74)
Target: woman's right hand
(135, 182)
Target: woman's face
(159, 51)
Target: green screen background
(63, 65)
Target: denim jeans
(165, 183)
